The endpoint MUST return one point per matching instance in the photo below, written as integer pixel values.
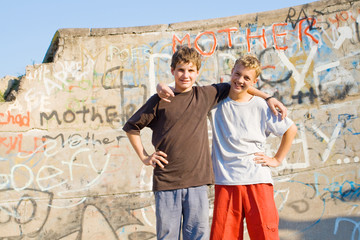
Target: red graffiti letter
(213, 47)
(306, 31)
(228, 30)
(2, 115)
(176, 39)
(255, 36)
(275, 35)
(12, 144)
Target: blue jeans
(186, 208)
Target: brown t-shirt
(180, 130)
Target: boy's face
(242, 78)
(185, 75)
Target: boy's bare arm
(284, 148)
(275, 105)
(157, 158)
(286, 142)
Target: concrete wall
(67, 170)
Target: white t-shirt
(240, 130)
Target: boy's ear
(256, 80)
(172, 71)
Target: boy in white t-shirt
(243, 182)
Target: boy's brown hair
(250, 61)
(186, 55)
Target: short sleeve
(142, 117)
(275, 125)
(222, 90)
(220, 93)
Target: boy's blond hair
(186, 55)
(250, 61)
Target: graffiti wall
(67, 170)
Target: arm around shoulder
(275, 105)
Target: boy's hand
(277, 107)
(164, 92)
(157, 158)
(265, 160)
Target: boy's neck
(177, 90)
(240, 97)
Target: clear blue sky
(27, 27)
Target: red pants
(253, 202)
